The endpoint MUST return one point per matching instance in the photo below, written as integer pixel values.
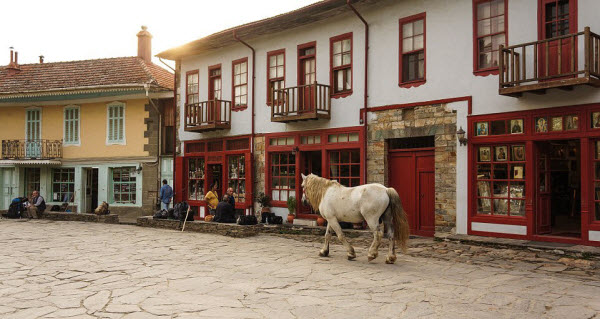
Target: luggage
(247, 220)
(180, 210)
(55, 208)
(16, 209)
(271, 218)
(161, 214)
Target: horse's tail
(399, 221)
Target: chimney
(41, 59)
(13, 66)
(145, 45)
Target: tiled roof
(99, 73)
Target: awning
(30, 162)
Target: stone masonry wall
(150, 176)
(434, 120)
(259, 169)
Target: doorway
(91, 189)
(412, 174)
(310, 163)
(557, 18)
(306, 77)
(215, 175)
(558, 187)
(32, 180)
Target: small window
(283, 176)
(341, 63)
(344, 167)
(276, 74)
(240, 84)
(116, 123)
(411, 142)
(313, 139)
(237, 177)
(279, 141)
(490, 32)
(412, 46)
(343, 138)
(124, 185)
(63, 184)
(191, 92)
(71, 125)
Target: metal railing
(31, 149)
(213, 112)
(550, 59)
(301, 100)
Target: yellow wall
(93, 118)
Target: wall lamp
(461, 136)
(295, 150)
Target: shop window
(124, 185)
(63, 184)
(313, 139)
(283, 176)
(280, 141)
(343, 138)
(545, 124)
(196, 178)
(237, 177)
(500, 127)
(344, 167)
(596, 158)
(501, 180)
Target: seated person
(36, 206)
(225, 212)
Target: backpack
(180, 210)
(16, 208)
(55, 208)
(161, 214)
(247, 220)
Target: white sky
(64, 30)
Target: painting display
(541, 125)
(484, 154)
(516, 126)
(482, 129)
(518, 153)
(501, 153)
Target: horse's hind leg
(325, 251)
(333, 223)
(376, 227)
(387, 220)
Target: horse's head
(305, 201)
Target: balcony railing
(550, 63)
(299, 103)
(208, 116)
(31, 149)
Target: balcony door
(308, 75)
(557, 18)
(33, 133)
(214, 94)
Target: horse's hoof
(371, 257)
(323, 253)
(390, 260)
(351, 257)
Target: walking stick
(186, 217)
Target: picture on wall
(484, 154)
(557, 124)
(518, 172)
(516, 126)
(501, 153)
(596, 120)
(482, 128)
(518, 153)
(541, 125)
(572, 122)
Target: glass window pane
(272, 60)
(337, 47)
(497, 24)
(484, 27)
(280, 59)
(483, 10)
(337, 60)
(418, 42)
(407, 45)
(407, 30)
(346, 59)
(418, 27)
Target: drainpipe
(366, 93)
(252, 107)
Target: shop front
(536, 175)
(223, 162)
(333, 154)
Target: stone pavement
(87, 270)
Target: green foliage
(291, 205)
(263, 200)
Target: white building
(420, 71)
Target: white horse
(374, 203)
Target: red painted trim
(299, 59)
(401, 82)
(186, 83)
(332, 69)
(210, 68)
(488, 71)
(269, 55)
(469, 99)
(233, 63)
(573, 21)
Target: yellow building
(83, 132)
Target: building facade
(83, 132)
(376, 91)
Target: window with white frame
(116, 123)
(71, 125)
(124, 185)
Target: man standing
(166, 194)
(36, 206)
(231, 198)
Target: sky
(63, 30)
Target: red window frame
(476, 69)
(275, 173)
(343, 67)
(352, 165)
(301, 57)
(275, 79)
(239, 107)
(402, 22)
(187, 86)
(211, 77)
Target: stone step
(305, 222)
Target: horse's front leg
(333, 223)
(325, 250)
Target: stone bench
(81, 217)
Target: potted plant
(264, 201)
(321, 221)
(291, 205)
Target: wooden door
(544, 195)
(214, 95)
(310, 162)
(8, 187)
(307, 77)
(557, 18)
(411, 173)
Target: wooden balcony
(301, 103)
(208, 116)
(561, 62)
(31, 149)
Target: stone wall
(259, 169)
(151, 173)
(434, 120)
(79, 217)
(231, 230)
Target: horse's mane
(315, 188)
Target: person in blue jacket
(166, 195)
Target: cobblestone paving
(85, 270)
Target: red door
(306, 77)
(557, 18)
(544, 196)
(411, 173)
(214, 94)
